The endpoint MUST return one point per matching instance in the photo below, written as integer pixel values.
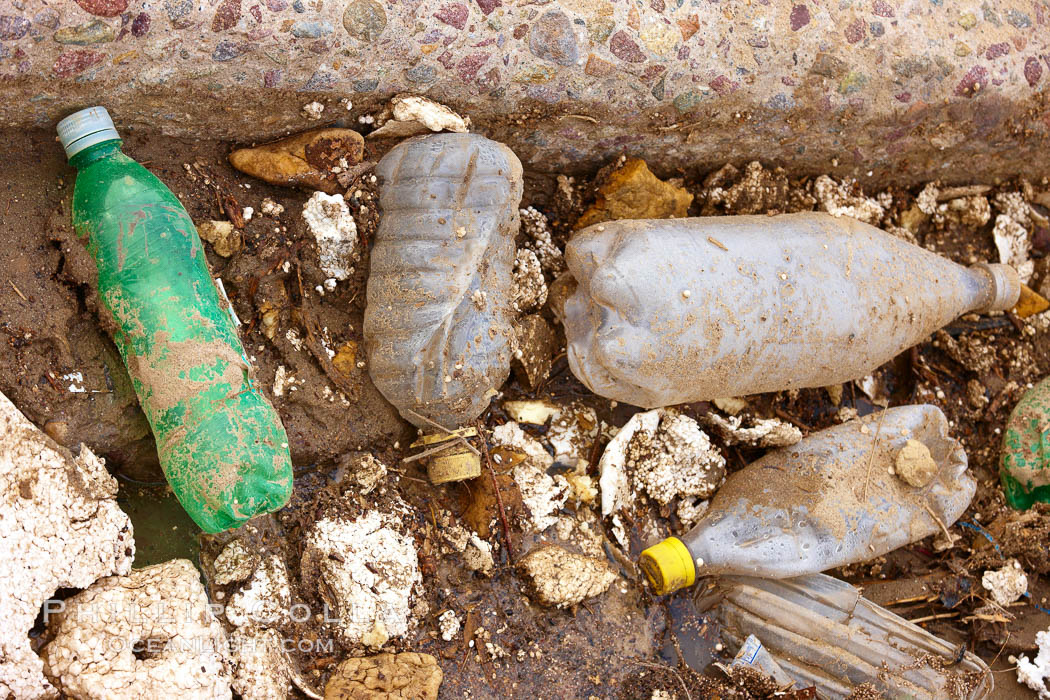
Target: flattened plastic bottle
(438, 319)
(1025, 467)
(822, 633)
(829, 500)
(680, 310)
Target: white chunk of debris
(537, 231)
(532, 411)
(690, 510)
(561, 578)
(312, 110)
(364, 470)
(1011, 240)
(1036, 673)
(60, 527)
(366, 570)
(235, 563)
(915, 465)
(839, 200)
(1006, 584)
(761, 432)
(76, 382)
(149, 634)
(730, 406)
(660, 694)
(329, 220)
(529, 291)
(280, 379)
(449, 625)
(572, 433)
(260, 668)
(431, 114)
(271, 208)
(477, 553)
(663, 454)
(542, 493)
(266, 600)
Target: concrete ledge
(906, 89)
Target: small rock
(915, 465)
(328, 219)
(536, 345)
(561, 578)
(386, 677)
(304, 29)
(432, 115)
(552, 38)
(364, 20)
(224, 238)
(94, 32)
(1006, 584)
(305, 160)
(633, 192)
(150, 634)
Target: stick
(871, 457)
(499, 496)
(445, 430)
(17, 290)
(943, 528)
(928, 618)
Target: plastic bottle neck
(98, 151)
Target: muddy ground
(63, 372)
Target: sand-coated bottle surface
(680, 310)
(834, 498)
(221, 444)
(438, 320)
(1024, 469)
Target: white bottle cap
(85, 128)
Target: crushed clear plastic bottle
(830, 500)
(438, 322)
(680, 310)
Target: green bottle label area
(221, 444)
(1025, 467)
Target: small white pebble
(686, 294)
(248, 213)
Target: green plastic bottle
(221, 444)
(1025, 467)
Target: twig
(446, 431)
(871, 456)
(929, 618)
(913, 599)
(933, 515)
(677, 675)
(17, 290)
(425, 453)
(499, 496)
(583, 117)
(715, 242)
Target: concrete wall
(904, 89)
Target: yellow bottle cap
(668, 566)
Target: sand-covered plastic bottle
(842, 495)
(439, 320)
(680, 310)
(220, 442)
(1024, 469)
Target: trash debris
(235, 563)
(367, 572)
(1024, 469)
(821, 632)
(1010, 233)
(312, 110)
(757, 190)
(329, 220)
(839, 199)
(449, 625)
(386, 677)
(260, 666)
(264, 602)
(631, 191)
(431, 114)
(1006, 584)
(450, 204)
(224, 238)
(320, 159)
(660, 453)
(530, 290)
(560, 578)
(762, 432)
(60, 527)
(1030, 302)
(543, 494)
(753, 654)
(1036, 673)
(449, 456)
(221, 444)
(835, 489)
(147, 634)
(807, 277)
